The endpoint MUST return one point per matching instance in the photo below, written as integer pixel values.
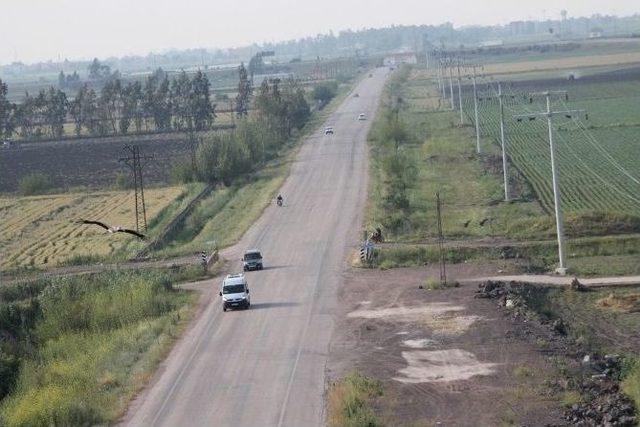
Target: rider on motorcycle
(279, 200)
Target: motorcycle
(279, 201)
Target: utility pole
(441, 79)
(135, 163)
(460, 94)
(503, 145)
(450, 66)
(562, 269)
(475, 110)
(443, 263)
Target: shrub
(325, 91)
(123, 181)
(350, 402)
(91, 335)
(34, 183)
(183, 173)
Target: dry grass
(626, 303)
(39, 231)
(563, 63)
(349, 402)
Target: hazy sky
(34, 30)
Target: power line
(549, 114)
(136, 163)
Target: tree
(297, 108)
(99, 71)
(244, 91)
(282, 107)
(55, 111)
(162, 106)
(202, 110)
(6, 110)
(75, 109)
(110, 103)
(324, 92)
(180, 94)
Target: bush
(325, 91)
(34, 183)
(350, 402)
(91, 335)
(183, 173)
(123, 181)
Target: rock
(509, 303)
(586, 359)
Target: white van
(235, 292)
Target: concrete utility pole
(503, 144)
(562, 269)
(460, 94)
(442, 256)
(441, 76)
(475, 110)
(453, 103)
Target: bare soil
(90, 162)
(444, 356)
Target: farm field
(91, 163)
(39, 232)
(597, 151)
(444, 160)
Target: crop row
(594, 164)
(40, 230)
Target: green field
(519, 235)
(597, 156)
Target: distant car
(235, 292)
(328, 130)
(362, 117)
(356, 95)
(252, 260)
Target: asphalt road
(266, 366)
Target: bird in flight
(115, 229)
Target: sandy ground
(445, 358)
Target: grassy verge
(80, 348)
(223, 217)
(413, 133)
(587, 257)
(350, 402)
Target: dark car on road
(252, 260)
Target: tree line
(281, 109)
(160, 104)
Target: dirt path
(443, 356)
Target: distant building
(400, 58)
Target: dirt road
(266, 366)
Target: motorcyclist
(279, 200)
